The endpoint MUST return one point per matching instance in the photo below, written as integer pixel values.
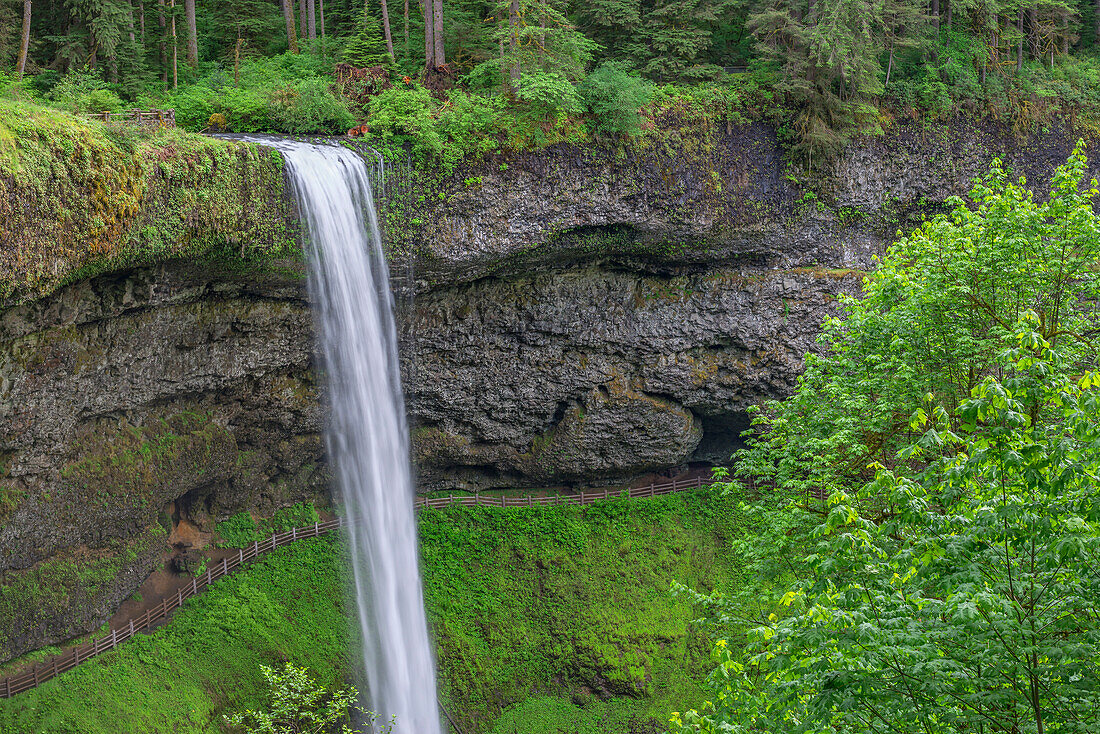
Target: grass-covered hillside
(544, 617)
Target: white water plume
(367, 435)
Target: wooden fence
(44, 671)
(159, 118)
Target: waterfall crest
(367, 436)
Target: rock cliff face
(136, 409)
(570, 317)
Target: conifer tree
(367, 47)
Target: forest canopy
(823, 70)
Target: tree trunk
(1065, 33)
(1096, 22)
(175, 45)
(192, 34)
(141, 21)
(889, 66)
(1020, 41)
(936, 16)
(408, 52)
(429, 34)
(513, 40)
(1033, 31)
(130, 21)
(386, 30)
(163, 43)
(947, 14)
(321, 18)
(25, 40)
(437, 35)
(288, 17)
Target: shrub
(612, 95)
(406, 113)
(467, 123)
(297, 703)
(549, 96)
(309, 107)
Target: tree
(25, 40)
(972, 605)
(192, 34)
(386, 30)
(612, 24)
(536, 36)
(438, 58)
(366, 47)
(826, 65)
(674, 37)
(296, 703)
(954, 588)
(932, 319)
(288, 18)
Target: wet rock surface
(573, 317)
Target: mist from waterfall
(367, 435)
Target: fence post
(673, 485)
(131, 628)
(529, 500)
(225, 566)
(293, 534)
(194, 586)
(240, 556)
(316, 528)
(256, 548)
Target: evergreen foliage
(367, 47)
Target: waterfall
(367, 436)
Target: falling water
(367, 435)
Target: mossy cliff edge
(568, 317)
(79, 198)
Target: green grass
(181, 678)
(548, 620)
(575, 603)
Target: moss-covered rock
(80, 197)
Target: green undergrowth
(242, 529)
(555, 607)
(206, 661)
(554, 619)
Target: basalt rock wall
(571, 317)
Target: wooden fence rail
(159, 118)
(44, 671)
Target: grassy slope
(180, 679)
(543, 616)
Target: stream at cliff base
(367, 436)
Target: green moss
(242, 530)
(131, 463)
(541, 615)
(79, 198)
(566, 600)
(74, 580)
